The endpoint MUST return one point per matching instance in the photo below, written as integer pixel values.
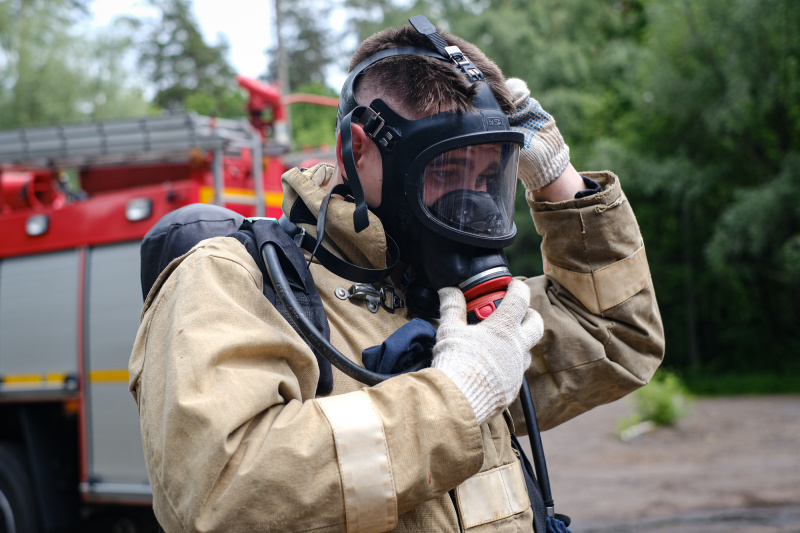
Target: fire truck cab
(75, 202)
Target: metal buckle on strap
(375, 298)
(373, 125)
(464, 63)
(390, 300)
(457, 56)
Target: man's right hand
(487, 361)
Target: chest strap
(338, 266)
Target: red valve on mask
(483, 298)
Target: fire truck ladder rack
(137, 142)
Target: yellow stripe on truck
(11, 381)
(27, 379)
(271, 198)
(58, 379)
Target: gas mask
(449, 180)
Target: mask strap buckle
(373, 124)
(389, 300)
(424, 26)
(473, 73)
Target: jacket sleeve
(603, 333)
(234, 439)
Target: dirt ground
(732, 465)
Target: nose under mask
(473, 212)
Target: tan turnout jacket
(235, 440)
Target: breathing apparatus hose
(307, 328)
(337, 359)
(537, 450)
(482, 299)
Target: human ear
(368, 163)
(361, 145)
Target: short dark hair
(419, 85)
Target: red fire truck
(70, 294)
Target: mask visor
(471, 189)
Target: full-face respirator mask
(449, 183)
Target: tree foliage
(51, 74)
(715, 155)
(312, 124)
(308, 43)
(187, 72)
(310, 48)
(696, 106)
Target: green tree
(188, 73)
(696, 106)
(711, 146)
(50, 74)
(313, 125)
(310, 46)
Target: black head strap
(347, 100)
(454, 53)
(352, 181)
(350, 110)
(339, 266)
(424, 26)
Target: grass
(662, 402)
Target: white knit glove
(487, 361)
(544, 155)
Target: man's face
(473, 168)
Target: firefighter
(239, 428)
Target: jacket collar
(366, 249)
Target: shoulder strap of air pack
(253, 234)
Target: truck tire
(17, 504)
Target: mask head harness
(449, 179)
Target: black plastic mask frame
(344, 121)
(401, 141)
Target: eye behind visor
(471, 188)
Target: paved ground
(732, 465)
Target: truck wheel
(17, 506)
